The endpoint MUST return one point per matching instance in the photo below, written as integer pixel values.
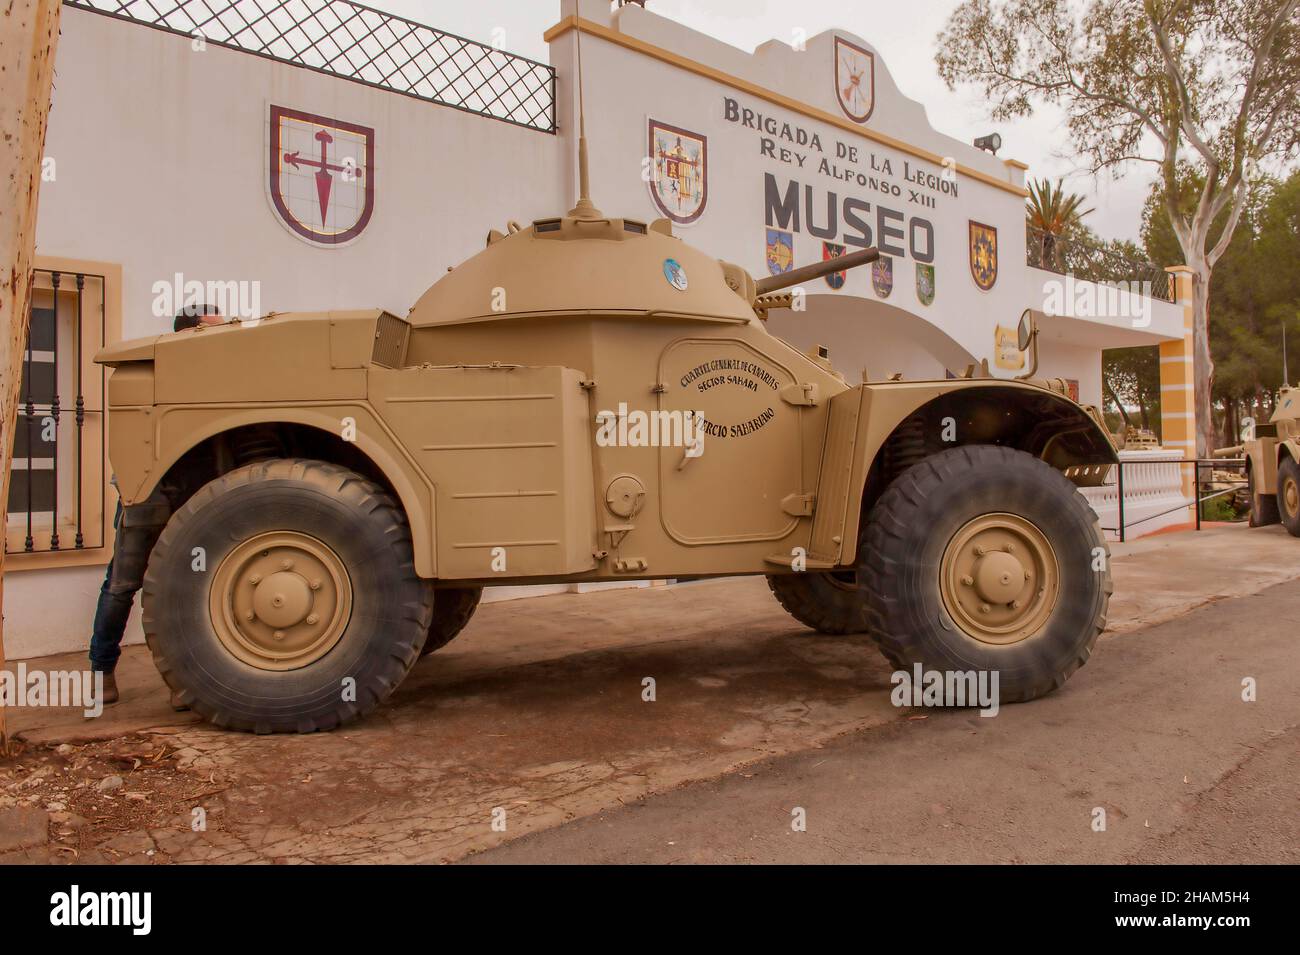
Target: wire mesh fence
(358, 43)
(1065, 256)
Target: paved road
(1154, 731)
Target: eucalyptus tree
(1209, 84)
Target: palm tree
(1051, 212)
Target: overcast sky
(904, 32)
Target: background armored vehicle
(1273, 475)
(587, 398)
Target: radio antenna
(584, 209)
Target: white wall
(51, 611)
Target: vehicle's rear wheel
(282, 597)
(982, 558)
(1288, 496)
(1263, 507)
(828, 601)
(452, 608)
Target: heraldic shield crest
(679, 174)
(321, 175)
(983, 254)
(925, 284)
(833, 250)
(882, 276)
(855, 80)
(779, 251)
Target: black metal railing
(358, 43)
(1197, 502)
(1094, 263)
(55, 356)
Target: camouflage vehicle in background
(332, 491)
(1272, 471)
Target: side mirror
(1025, 333)
(1027, 340)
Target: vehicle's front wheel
(828, 601)
(282, 597)
(983, 558)
(1288, 496)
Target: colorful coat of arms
(833, 250)
(983, 254)
(321, 178)
(679, 180)
(855, 80)
(882, 276)
(925, 283)
(780, 251)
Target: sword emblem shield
(320, 180)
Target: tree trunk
(1115, 398)
(29, 33)
(1203, 365)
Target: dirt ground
(532, 719)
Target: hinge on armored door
(799, 505)
(800, 393)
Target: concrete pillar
(1177, 398)
(1177, 388)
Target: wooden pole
(29, 33)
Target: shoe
(110, 689)
(176, 704)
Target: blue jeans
(122, 578)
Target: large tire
(1263, 507)
(452, 608)
(945, 591)
(310, 548)
(826, 602)
(1288, 495)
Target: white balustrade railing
(1155, 493)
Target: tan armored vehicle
(1138, 439)
(1273, 475)
(586, 399)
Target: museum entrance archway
(868, 333)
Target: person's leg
(111, 613)
(123, 577)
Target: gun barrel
(815, 271)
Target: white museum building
(277, 155)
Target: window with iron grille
(58, 469)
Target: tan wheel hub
(280, 601)
(999, 579)
(1292, 495)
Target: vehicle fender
(1016, 414)
(177, 429)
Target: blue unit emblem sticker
(675, 274)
